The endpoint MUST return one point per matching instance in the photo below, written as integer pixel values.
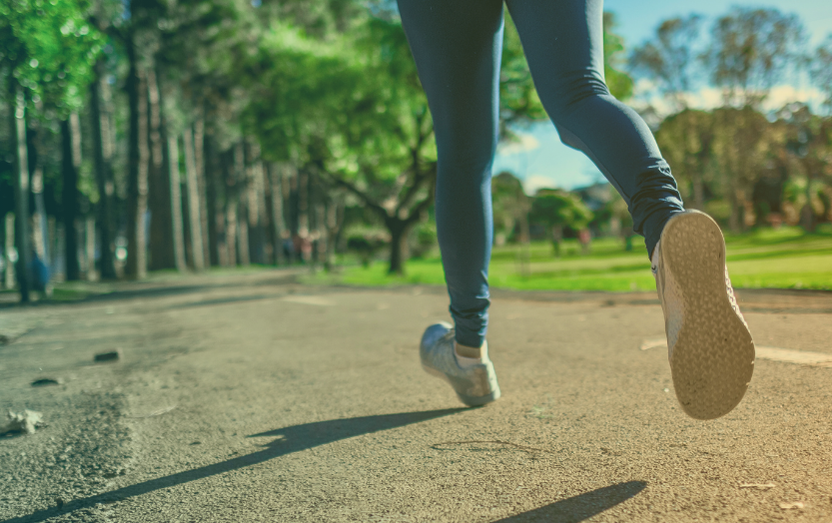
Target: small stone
(46, 381)
(24, 422)
(791, 506)
(108, 356)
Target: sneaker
(709, 345)
(475, 385)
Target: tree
(821, 71)
(46, 56)
(352, 114)
(743, 140)
(557, 209)
(620, 84)
(750, 50)
(510, 206)
(809, 141)
(669, 58)
(686, 139)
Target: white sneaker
(710, 348)
(475, 385)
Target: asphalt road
(252, 398)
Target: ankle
(465, 351)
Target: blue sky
(542, 161)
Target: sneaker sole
(713, 358)
(471, 401)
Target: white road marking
(309, 300)
(654, 343)
(815, 359)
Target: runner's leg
(564, 45)
(457, 46)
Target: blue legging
(457, 46)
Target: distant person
(457, 46)
(584, 238)
(38, 274)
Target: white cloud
(705, 98)
(783, 94)
(524, 143)
(709, 98)
(537, 181)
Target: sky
(540, 160)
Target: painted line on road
(799, 357)
(815, 359)
(309, 300)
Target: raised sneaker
(709, 345)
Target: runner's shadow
(581, 507)
(294, 439)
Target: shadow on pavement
(581, 507)
(294, 439)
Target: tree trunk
(231, 233)
(199, 163)
(232, 195)
(557, 237)
(734, 218)
(807, 213)
(278, 223)
(214, 205)
(137, 168)
(303, 216)
(89, 248)
(398, 233)
(103, 154)
(194, 221)
(698, 191)
(241, 211)
(69, 197)
(334, 220)
(162, 254)
(21, 235)
(56, 248)
(8, 247)
(176, 225)
(255, 205)
(39, 235)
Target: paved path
(251, 398)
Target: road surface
(250, 397)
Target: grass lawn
(767, 258)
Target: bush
(422, 240)
(366, 245)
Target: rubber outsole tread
(713, 358)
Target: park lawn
(766, 258)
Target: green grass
(765, 258)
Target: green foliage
(49, 48)
(518, 98)
(509, 202)
(619, 83)
(769, 258)
(821, 71)
(423, 239)
(353, 106)
(557, 207)
(750, 49)
(669, 58)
